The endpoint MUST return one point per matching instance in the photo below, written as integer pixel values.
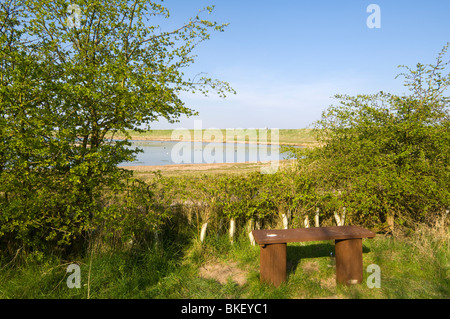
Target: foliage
(66, 88)
(384, 155)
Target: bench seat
(348, 250)
(266, 236)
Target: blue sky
(286, 59)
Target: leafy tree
(72, 78)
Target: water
(173, 152)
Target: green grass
(411, 267)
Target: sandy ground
(223, 272)
(191, 167)
(175, 169)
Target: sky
(287, 59)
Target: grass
(411, 267)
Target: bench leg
(273, 263)
(349, 266)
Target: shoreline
(201, 166)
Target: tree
(24, 89)
(386, 157)
(79, 75)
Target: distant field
(302, 137)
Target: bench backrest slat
(274, 236)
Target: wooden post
(349, 266)
(340, 220)
(232, 229)
(306, 221)
(284, 218)
(316, 218)
(203, 232)
(390, 222)
(250, 234)
(273, 263)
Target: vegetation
(386, 157)
(217, 269)
(382, 162)
(79, 79)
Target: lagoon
(175, 152)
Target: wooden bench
(348, 250)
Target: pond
(174, 152)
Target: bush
(388, 156)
